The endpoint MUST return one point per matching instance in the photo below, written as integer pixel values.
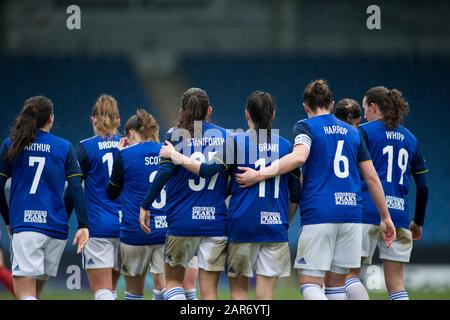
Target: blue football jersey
(38, 177)
(96, 157)
(259, 213)
(140, 163)
(396, 155)
(331, 190)
(195, 205)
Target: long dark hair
(194, 107)
(318, 94)
(34, 116)
(145, 124)
(391, 103)
(261, 106)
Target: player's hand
(81, 238)
(416, 230)
(166, 150)
(123, 143)
(248, 178)
(144, 220)
(388, 232)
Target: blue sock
(191, 294)
(158, 294)
(132, 296)
(176, 293)
(399, 295)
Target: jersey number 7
(37, 177)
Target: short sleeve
(5, 165)
(72, 166)
(302, 134)
(418, 163)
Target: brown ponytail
(194, 107)
(317, 94)
(106, 113)
(34, 116)
(145, 124)
(391, 103)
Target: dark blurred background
(146, 53)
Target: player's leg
(239, 288)
(27, 250)
(354, 288)
(315, 250)
(116, 272)
(242, 257)
(25, 288)
(53, 250)
(265, 287)
(394, 259)
(157, 271)
(274, 261)
(159, 285)
(40, 283)
(209, 281)
(211, 253)
(335, 284)
(174, 282)
(178, 251)
(99, 261)
(135, 261)
(346, 255)
(190, 279)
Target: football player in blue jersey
(38, 164)
(396, 156)
(258, 217)
(96, 157)
(133, 170)
(348, 110)
(195, 208)
(330, 152)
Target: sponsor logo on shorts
(270, 217)
(395, 203)
(345, 198)
(301, 261)
(35, 216)
(160, 222)
(203, 213)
